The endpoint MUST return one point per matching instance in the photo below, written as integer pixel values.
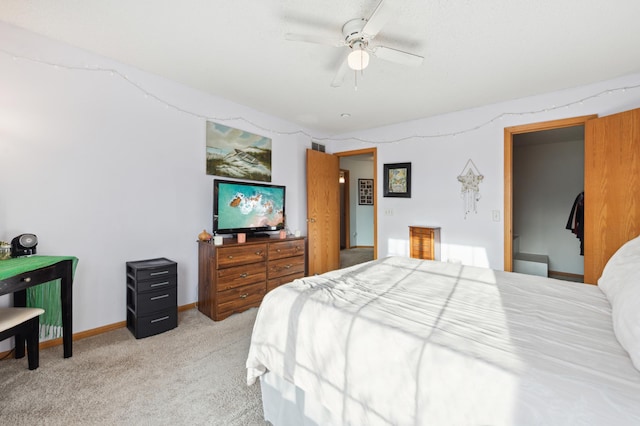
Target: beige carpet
(194, 374)
(355, 256)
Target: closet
(611, 182)
(548, 174)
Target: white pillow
(620, 282)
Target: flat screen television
(247, 207)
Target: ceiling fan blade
(397, 56)
(378, 18)
(314, 39)
(342, 71)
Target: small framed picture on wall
(397, 180)
(365, 192)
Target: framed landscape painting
(397, 180)
(237, 153)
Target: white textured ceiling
(476, 52)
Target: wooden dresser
(424, 242)
(235, 276)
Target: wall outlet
(388, 212)
(495, 215)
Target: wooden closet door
(612, 188)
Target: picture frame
(365, 192)
(237, 153)
(397, 180)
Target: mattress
(404, 341)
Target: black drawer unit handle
(158, 273)
(159, 284)
(160, 319)
(160, 297)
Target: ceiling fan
(358, 35)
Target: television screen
(247, 207)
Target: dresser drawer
(155, 323)
(286, 249)
(426, 232)
(287, 266)
(240, 255)
(151, 269)
(238, 276)
(240, 298)
(152, 301)
(277, 282)
(155, 284)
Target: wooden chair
(24, 324)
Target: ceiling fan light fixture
(358, 59)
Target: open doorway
(358, 207)
(548, 203)
(512, 135)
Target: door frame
(346, 213)
(508, 172)
(373, 151)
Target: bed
(400, 341)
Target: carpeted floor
(194, 374)
(355, 256)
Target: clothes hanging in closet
(576, 220)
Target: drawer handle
(230, 257)
(244, 296)
(27, 279)
(159, 319)
(278, 250)
(287, 266)
(244, 275)
(160, 297)
(159, 273)
(159, 284)
(259, 253)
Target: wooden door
(612, 188)
(323, 212)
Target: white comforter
(401, 341)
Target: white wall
(361, 223)
(547, 178)
(439, 147)
(100, 171)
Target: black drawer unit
(152, 296)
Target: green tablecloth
(45, 296)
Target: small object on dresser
(218, 240)
(204, 236)
(283, 234)
(152, 296)
(242, 237)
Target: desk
(40, 269)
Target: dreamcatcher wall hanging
(470, 179)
